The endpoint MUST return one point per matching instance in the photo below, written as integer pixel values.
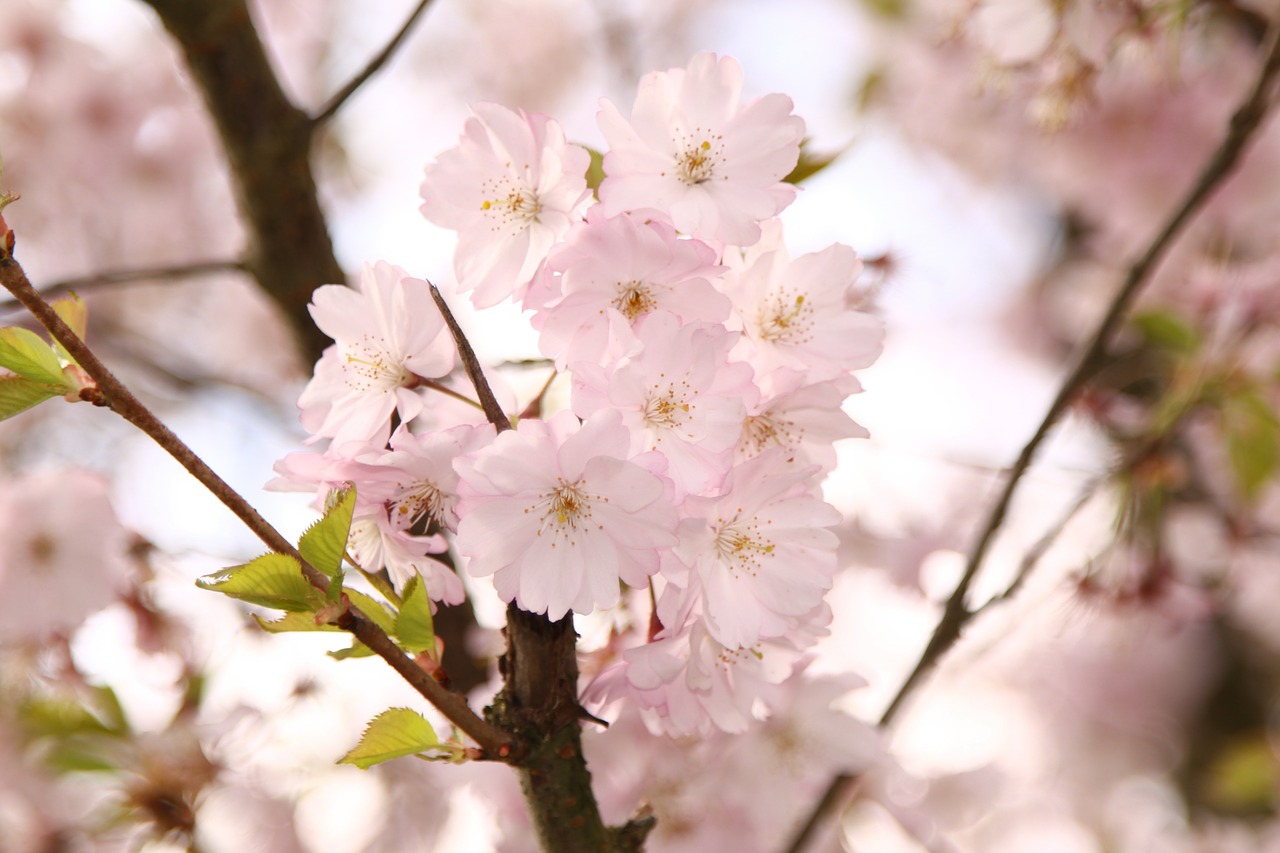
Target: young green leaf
(414, 626)
(17, 394)
(26, 354)
(75, 314)
(392, 734)
(376, 611)
(325, 542)
(272, 580)
(1166, 330)
(296, 621)
(595, 170)
(1253, 442)
(357, 649)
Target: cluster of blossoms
(706, 368)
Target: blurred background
(998, 164)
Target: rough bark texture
(268, 144)
(540, 706)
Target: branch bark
(267, 140)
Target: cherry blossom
(557, 515)
(375, 545)
(761, 552)
(804, 419)
(613, 272)
(679, 395)
(389, 336)
(511, 188)
(795, 313)
(694, 152)
(63, 553)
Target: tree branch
(113, 394)
(1243, 126)
(169, 273)
(471, 364)
(268, 145)
(335, 103)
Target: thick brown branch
(1244, 124)
(268, 144)
(540, 704)
(113, 394)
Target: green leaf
(1166, 330)
(325, 542)
(17, 394)
(414, 626)
(45, 717)
(357, 649)
(595, 171)
(81, 755)
(392, 734)
(296, 621)
(26, 354)
(376, 611)
(75, 314)
(810, 164)
(1242, 777)
(1253, 442)
(272, 580)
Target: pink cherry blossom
(376, 544)
(511, 188)
(761, 551)
(557, 515)
(613, 272)
(694, 152)
(680, 396)
(388, 335)
(63, 553)
(795, 313)
(805, 420)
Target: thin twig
(1244, 124)
(112, 393)
(169, 273)
(1042, 545)
(471, 364)
(335, 103)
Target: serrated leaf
(376, 611)
(325, 542)
(595, 171)
(1253, 442)
(296, 621)
(393, 733)
(414, 626)
(26, 354)
(17, 394)
(1166, 330)
(272, 580)
(357, 649)
(75, 314)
